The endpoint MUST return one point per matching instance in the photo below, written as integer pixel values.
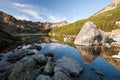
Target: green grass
(105, 21)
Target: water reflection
(28, 39)
(96, 59)
(89, 53)
(97, 68)
(100, 69)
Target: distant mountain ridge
(111, 6)
(10, 24)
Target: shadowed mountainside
(10, 24)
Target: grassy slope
(105, 21)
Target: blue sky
(52, 10)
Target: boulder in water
(90, 35)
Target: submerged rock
(61, 76)
(100, 73)
(43, 77)
(62, 70)
(70, 64)
(90, 35)
(49, 54)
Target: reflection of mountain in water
(89, 53)
(37, 39)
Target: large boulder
(90, 35)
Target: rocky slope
(11, 25)
(111, 6)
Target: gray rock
(17, 55)
(60, 76)
(43, 77)
(40, 58)
(5, 66)
(70, 64)
(49, 68)
(90, 35)
(35, 46)
(31, 52)
(62, 70)
(19, 47)
(24, 71)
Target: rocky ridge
(10, 24)
(111, 6)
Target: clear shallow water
(94, 58)
(96, 64)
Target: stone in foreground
(49, 68)
(43, 77)
(90, 35)
(60, 76)
(70, 64)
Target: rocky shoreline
(24, 63)
(29, 63)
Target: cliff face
(10, 24)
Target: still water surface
(95, 58)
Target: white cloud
(33, 13)
(30, 12)
(23, 17)
(21, 5)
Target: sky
(52, 10)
